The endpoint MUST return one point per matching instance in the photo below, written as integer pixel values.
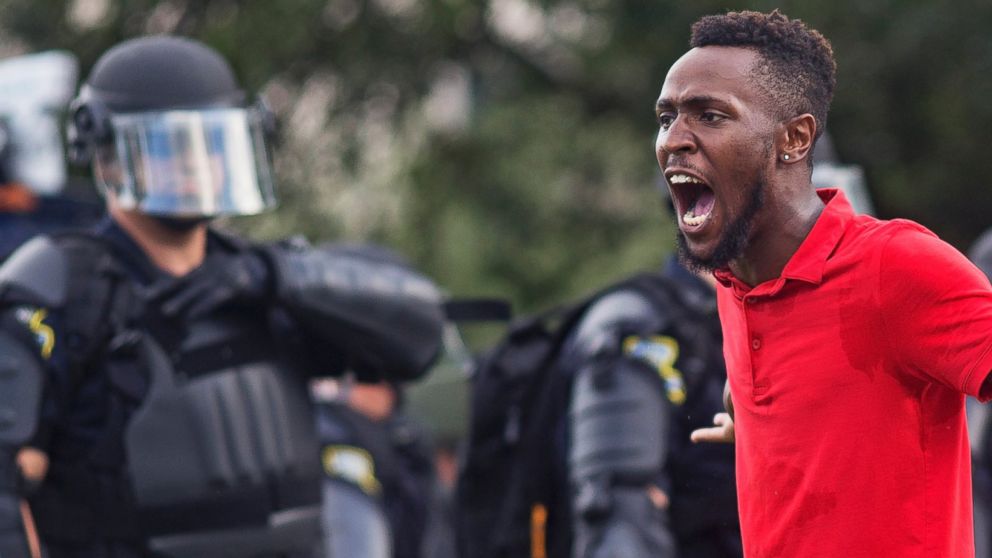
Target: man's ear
(796, 139)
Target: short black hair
(797, 71)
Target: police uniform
(647, 373)
(174, 410)
(385, 469)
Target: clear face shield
(187, 163)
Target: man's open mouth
(694, 200)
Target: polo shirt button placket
(747, 304)
(759, 385)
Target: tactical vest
(208, 447)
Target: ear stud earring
(785, 157)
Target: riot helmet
(169, 132)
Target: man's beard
(734, 240)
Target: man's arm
(33, 287)
(20, 468)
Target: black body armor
(207, 445)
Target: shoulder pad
(36, 273)
(614, 315)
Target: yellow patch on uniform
(44, 335)
(661, 352)
(352, 464)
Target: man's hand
(723, 432)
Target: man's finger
(716, 434)
(723, 432)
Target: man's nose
(678, 138)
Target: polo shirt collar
(807, 263)
(809, 260)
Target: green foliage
(506, 145)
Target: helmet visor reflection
(189, 163)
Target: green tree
(506, 145)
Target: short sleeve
(936, 309)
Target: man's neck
(778, 238)
(176, 252)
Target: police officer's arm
(31, 289)
(385, 317)
(620, 417)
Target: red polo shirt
(848, 374)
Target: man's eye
(709, 116)
(665, 120)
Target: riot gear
(647, 371)
(169, 133)
(380, 462)
(37, 274)
(174, 415)
(252, 433)
(206, 436)
(620, 425)
(370, 304)
(579, 442)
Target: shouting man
(850, 342)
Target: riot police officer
(379, 471)
(155, 367)
(379, 484)
(648, 371)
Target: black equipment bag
(512, 495)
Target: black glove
(239, 278)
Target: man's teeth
(689, 218)
(683, 179)
(693, 220)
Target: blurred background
(506, 146)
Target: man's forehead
(711, 72)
